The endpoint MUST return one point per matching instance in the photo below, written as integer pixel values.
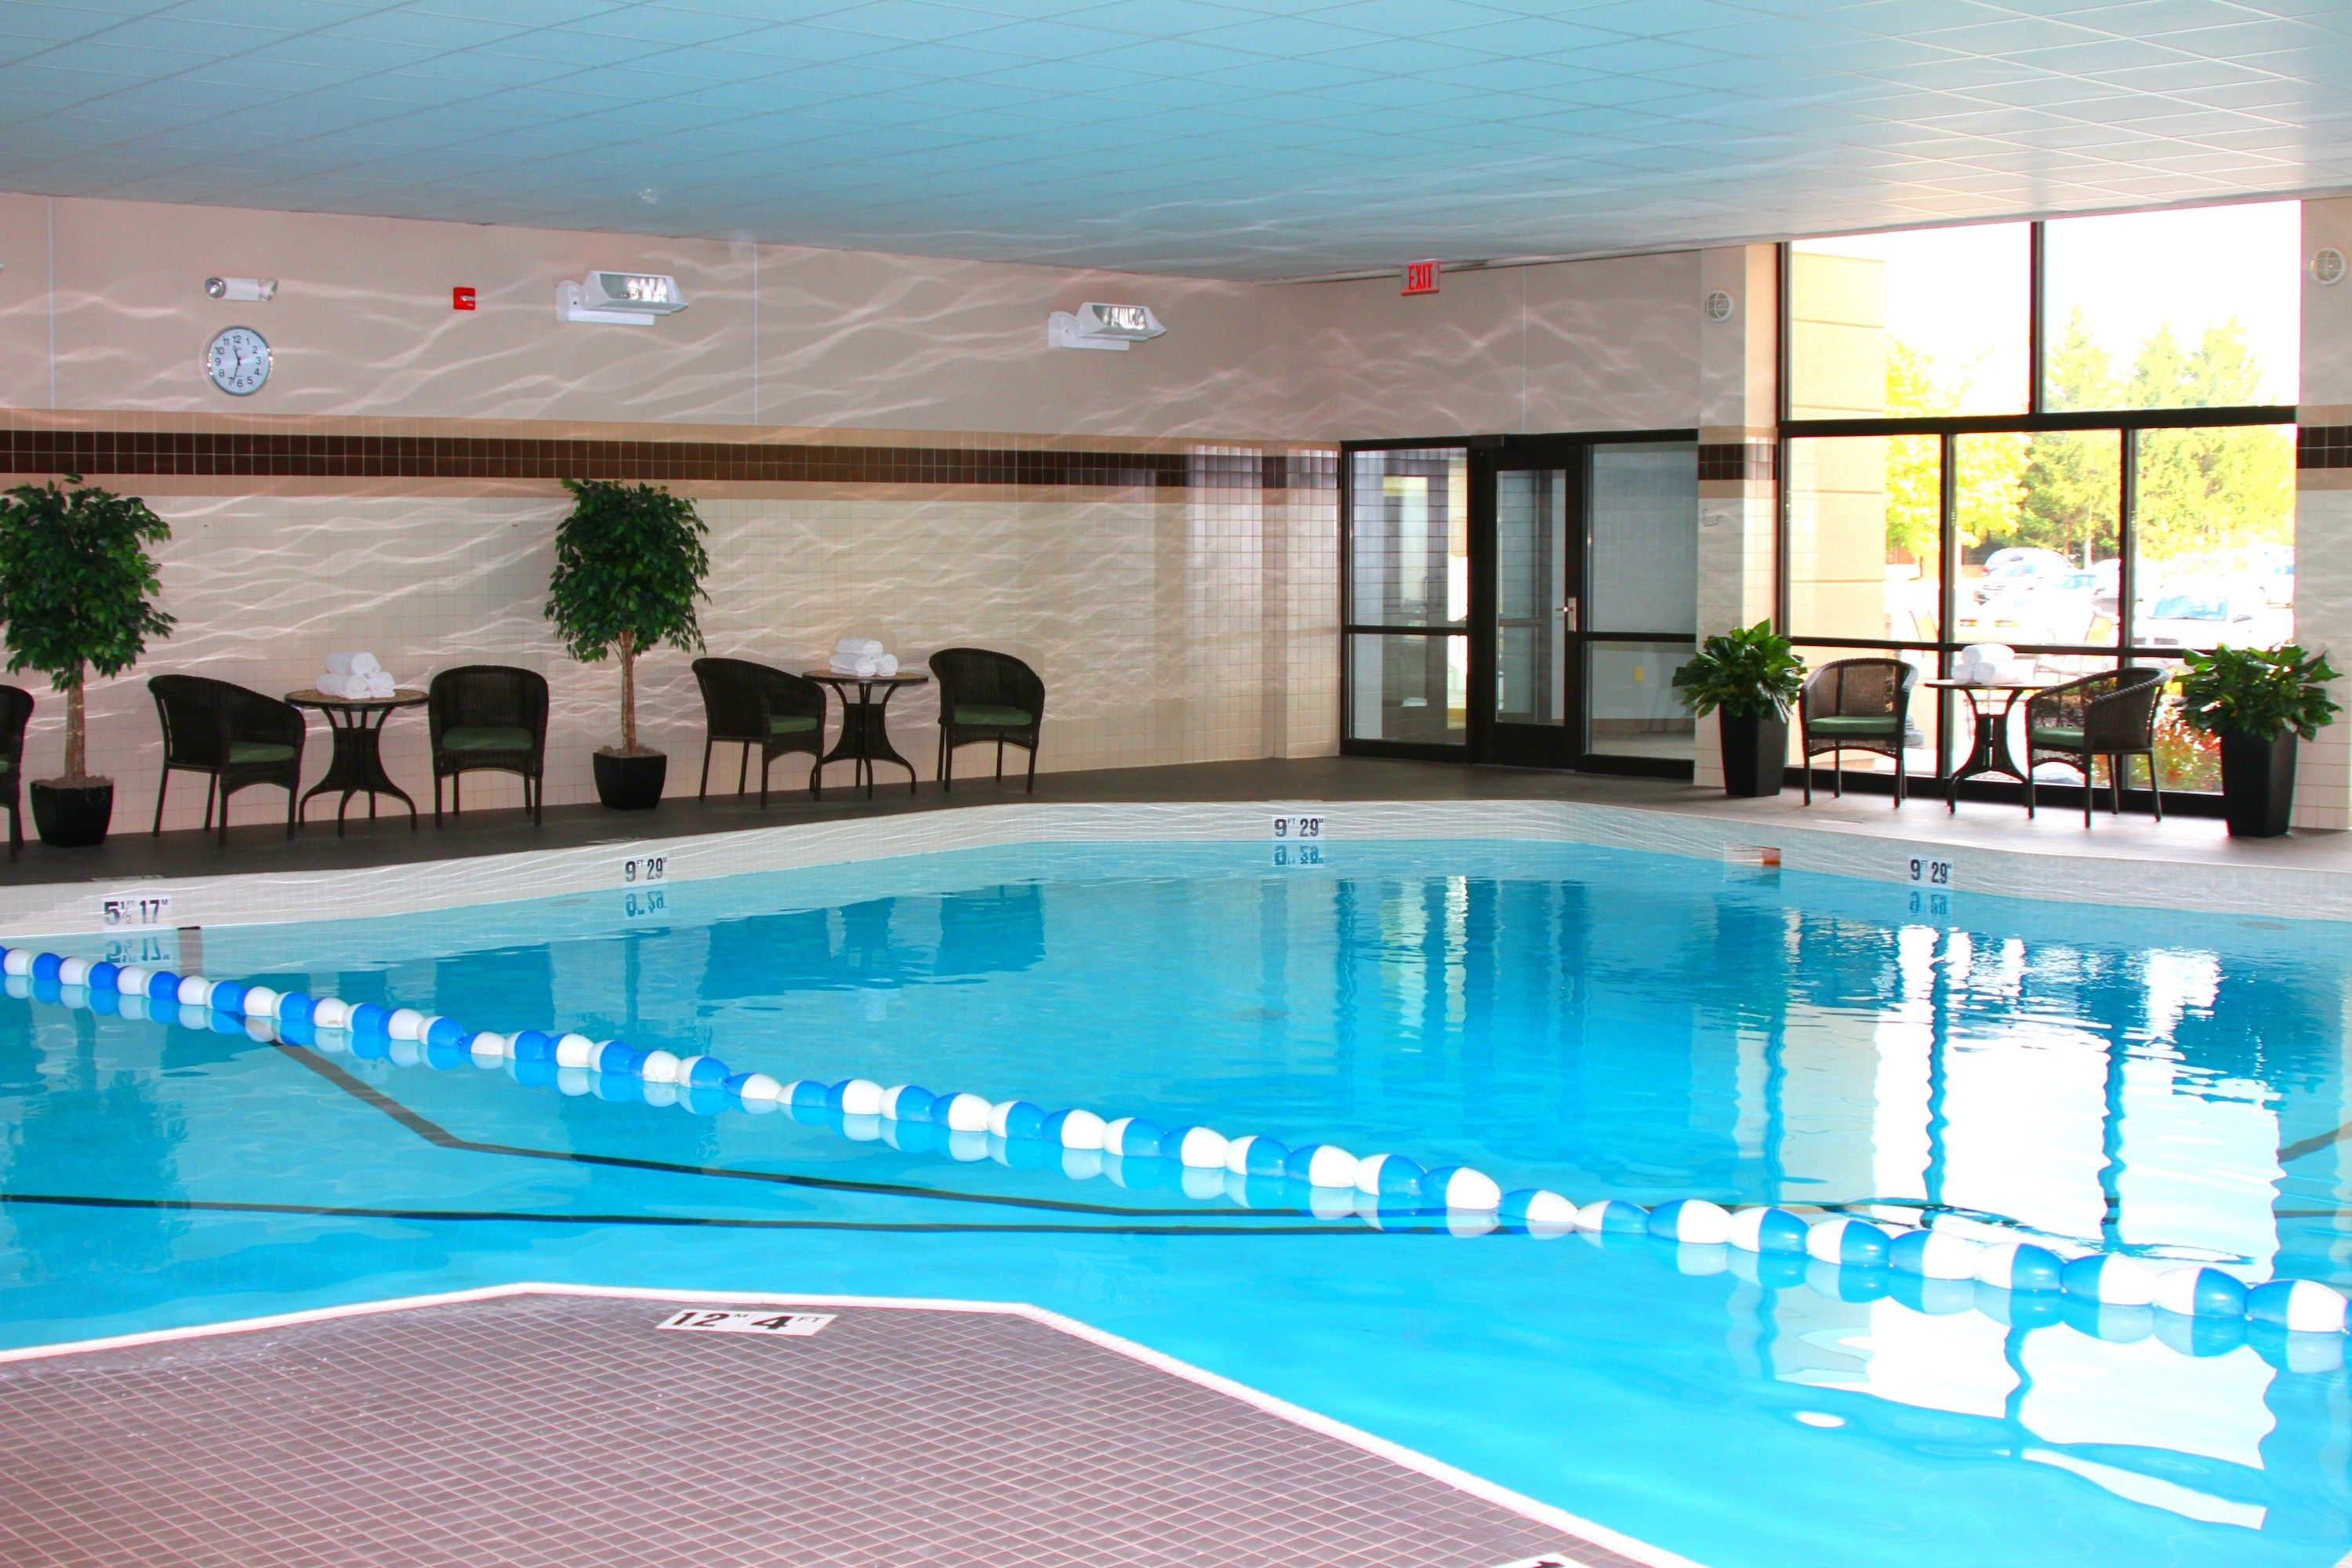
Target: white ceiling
(1243, 138)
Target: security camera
(243, 289)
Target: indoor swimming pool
(1602, 1023)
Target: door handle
(1568, 614)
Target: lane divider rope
(1373, 1188)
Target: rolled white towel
(333, 684)
(352, 663)
(887, 665)
(377, 683)
(859, 647)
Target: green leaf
(76, 581)
(1750, 672)
(2260, 692)
(629, 562)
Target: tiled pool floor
(562, 1430)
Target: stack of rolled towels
(1983, 663)
(355, 677)
(863, 658)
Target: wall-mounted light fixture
(241, 290)
(1098, 326)
(619, 298)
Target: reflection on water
(1602, 1023)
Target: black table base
(1988, 751)
(864, 739)
(358, 765)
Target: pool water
(1601, 1023)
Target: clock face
(238, 361)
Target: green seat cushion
(244, 752)
(2057, 735)
(991, 713)
(487, 738)
(7, 766)
(1877, 729)
(789, 724)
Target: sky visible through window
(1958, 296)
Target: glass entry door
(1527, 651)
(1585, 587)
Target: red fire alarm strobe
(461, 298)
(1421, 276)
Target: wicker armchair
(2110, 715)
(986, 697)
(236, 736)
(489, 718)
(754, 705)
(1856, 705)
(15, 711)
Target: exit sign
(461, 298)
(1421, 276)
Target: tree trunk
(628, 646)
(76, 730)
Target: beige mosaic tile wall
(1170, 626)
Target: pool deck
(2182, 862)
(546, 1428)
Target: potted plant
(76, 593)
(1747, 677)
(629, 564)
(2258, 702)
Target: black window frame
(2127, 424)
(1470, 631)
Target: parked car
(2204, 619)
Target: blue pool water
(1601, 1023)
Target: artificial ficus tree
(77, 591)
(629, 565)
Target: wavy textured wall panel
(1162, 632)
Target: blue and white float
(1255, 1154)
(657, 1067)
(1613, 1216)
(1764, 1229)
(757, 1091)
(1322, 1165)
(1016, 1119)
(1692, 1220)
(332, 1013)
(1133, 1138)
(1934, 1255)
(858, 1097)
(1196, 1148)
(2020, 1266)
(17, 961)
(2109, 1279)
(2201, 1291)
(908, 1102)
(73, 972)
(1076, 1130)
(260, 1001)
(1847, 1242)
(963, 1113)
(194, 990)
(1462, 1190)
(2305, 1306)
(571, 1050)
(1539, 1211)
(1388, 1176)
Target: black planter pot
(2257, 784)
(631, 783)
(1755, 753)
(72, 817)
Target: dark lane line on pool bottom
(441, 1137)
(712, 1222)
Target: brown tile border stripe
(1737, 460)
(95, 453)
(2324, 446)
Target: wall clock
(237, 360)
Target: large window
(1408, 595)
(2073, 439)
